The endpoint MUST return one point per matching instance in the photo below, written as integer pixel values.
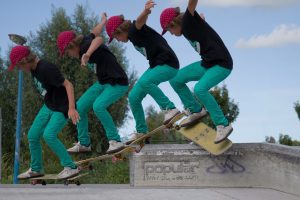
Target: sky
(263, 37)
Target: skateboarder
(216, 65)
(112, 84)
(162, 60)
(59, 105)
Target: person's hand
(202, 16)
(73, 115)
(85, 59)
(104, 18)
(149, 5)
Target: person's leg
(54, 126)
(192, 72)
(211, 78)
(148, 84)
(110, 95)
(84, 104)
(150, 80)
(135, 97)
(34, 138)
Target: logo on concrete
(170, 170)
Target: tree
(270, 139)
(283, 139)
(8, 102)
(297, 108)
(287, 140)
(228, 106)
(43, 42)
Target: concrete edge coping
(237, 147)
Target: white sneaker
(193, 117)
(29, 174)
(78, 148)
(134, 136)
(170, 114)
(68, 173)
(223, 133)
(114, 146)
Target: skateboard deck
(204, 136)
(121, 155)
(43, 179)
(17, 39)
(170, 125)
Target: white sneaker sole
(115, 150)
(193, 122)
(131, 141)
(71, 176)
(41, 175)
(228, 134)
(168, 121)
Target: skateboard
(121, 155)
(17, 39)
(43, 179)
(141, 140)
(204, 136)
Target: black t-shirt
(205, 41)
(107, 68)
(56, 98)
(153, 46)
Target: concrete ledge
(259, 165)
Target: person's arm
(142, 19)
(97, 30)
(192, 6)
(96, 43)
(72, 113)
(202, 16)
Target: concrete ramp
(244, 165)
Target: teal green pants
(148, 84)
(47, 124)
(99, 97)
(207, 78)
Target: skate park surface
(246, 171)
(118, 192)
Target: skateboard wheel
(177, 127)
(33, 182)
(114, 160)
(66, 183)
(77, 183)
(44, 183)
(137, 150)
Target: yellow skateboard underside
(204, 136)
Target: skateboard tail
(204, 136)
